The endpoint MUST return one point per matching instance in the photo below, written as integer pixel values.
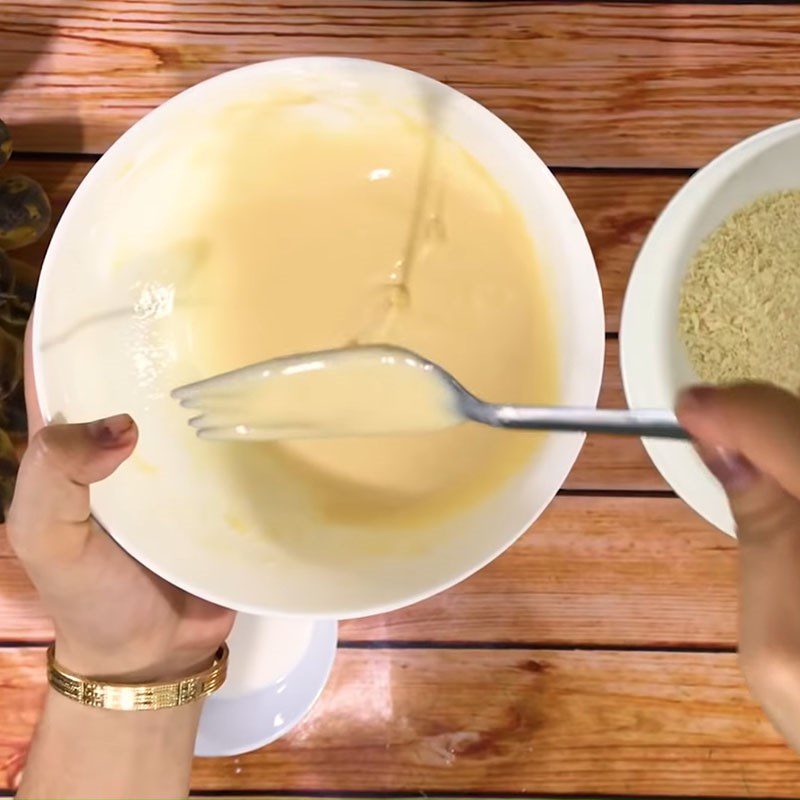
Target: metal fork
(208, 395)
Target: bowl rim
(592, 380)
(677, 469)
(318, 660)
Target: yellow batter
(300, 228)
(351, 391)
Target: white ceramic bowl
(262, 700)
(654, 363)
(162, 507)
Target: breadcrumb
(740, 301)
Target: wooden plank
(528, 721)
(617, 210)
(22, 682)
(593, 571)
(647, 84)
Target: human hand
(749, 436)
(113, 617)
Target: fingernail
(110, 431)
(733, 471)
(696, 397)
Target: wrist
(183, 717)
(137, 694)
(132, 667)
(114, 755)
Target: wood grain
(647, 84)
(588, 85)
(593, 571)
(527, 721)
(22, 682)
(532, 721)
(617, 210)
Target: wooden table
(597, 656)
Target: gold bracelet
(137, 697)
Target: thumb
(51, 501)
(761, 506)
(749, 437)
(754, 422)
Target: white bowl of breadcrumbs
(714, 296)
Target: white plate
(654, 364)
(243, 715)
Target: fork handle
(638, 422)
